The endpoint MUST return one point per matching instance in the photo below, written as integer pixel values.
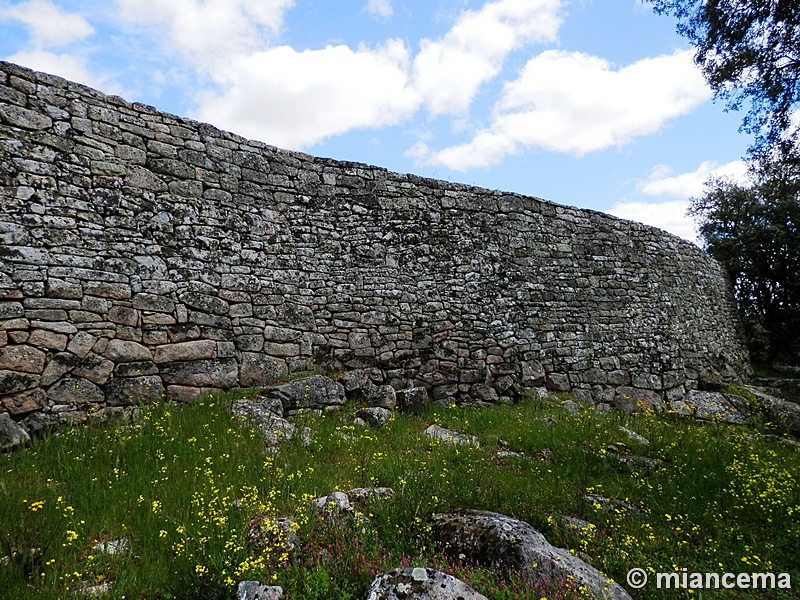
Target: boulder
(436, 432)
(380, 396)
(713, 406)
(333, 505)
(255, 590)
(316, 392)
(361, 496)
(275, 429)
(413, 400)
(783, 416)
(420, 584)
(497, 541)
(375, 416)
(11, 434)
(258, 370)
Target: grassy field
(181, 487)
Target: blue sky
(594, 104)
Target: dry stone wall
(142, 254)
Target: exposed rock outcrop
(495, 540)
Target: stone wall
(143, 254)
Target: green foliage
(182, 486)
(754, 231)
(749, 50)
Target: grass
(182, 486)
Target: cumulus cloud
(295, 99)
(68, 66)
(48, 25)
(380, 8)
(574, 103)
(661, 182)
(209, 32)
(448, 72)
(670, 216)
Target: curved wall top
(143, 254)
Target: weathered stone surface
(713, 406)
(275, 429)
(183, 351)
(380, 396)
(220, 373)
(255, 590)
(498, 541)
(24, 359)
(317, 391)
(127, 237)
(779, 414)
(26, 402)
(11, 434)
(258, 370)
(12, 381)
(413, 400)
(333, 505)
(58, 365)
(362, 496)
(132, 390)
(421, 584)
(95, 368)
(127, 351)
(375, 415)
(454, 438)
(76, 391)
(81, 344)
(16, 116)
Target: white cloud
(575, 103)
(48, 25)
(670, 216)
(209, 32)
(660, 182)
(296, 99)
(448, 72)
(380, 8)
(68, 66)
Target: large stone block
(26, 402)
(221, 373)
(75, 391)
(185, 351)
(127, 351)
(25, 359)
(123, 391)
(12, 381)
(258, 370)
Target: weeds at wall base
(182, 486)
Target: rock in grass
(275, 429)
(420, 584)
(11, 434)
(497, 541)
(634, 437)
(376, 416)
(316, 392)
(713, 406)
(436, 432)
(255, 590)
